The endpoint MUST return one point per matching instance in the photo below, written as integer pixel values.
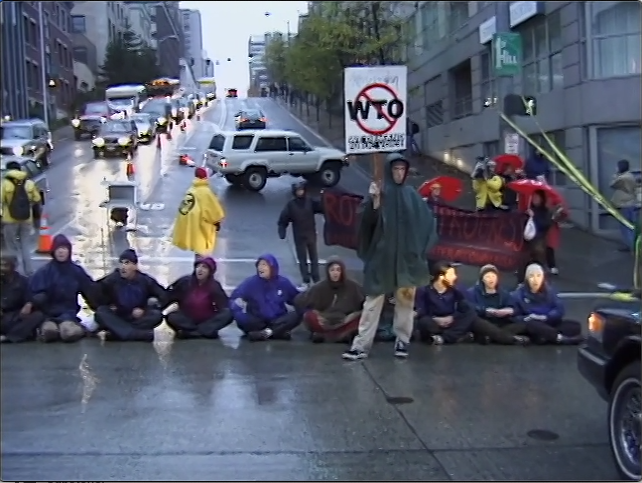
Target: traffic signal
(516, 105)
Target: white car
(248, 158)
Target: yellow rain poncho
(195, 226)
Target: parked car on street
(610, 361)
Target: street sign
(507, 54)
(375, 110)
(511, 143)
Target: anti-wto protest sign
(468, 237)
(375, 110)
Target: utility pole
(505, 78)
(44, 84)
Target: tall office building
(58, 55)
(140, 19)
(99, 23)
(14, 75)
(580, 60)
(256, 54)
(193, 31)
(170, 39)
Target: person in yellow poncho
(199, 217)
(487, 185)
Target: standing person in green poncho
(396, 229)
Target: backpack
(20, 204)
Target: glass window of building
(614, 47)
(542, 52)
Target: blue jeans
(632, 214)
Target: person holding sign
(396, 229)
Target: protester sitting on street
(18, 320)
(203, 305)
(541, 311)
(494, 304)
(130, 302)
(487, 185)
(332, 307)
(260, 303)
(54, 292)
(299, 212)
(442, 314)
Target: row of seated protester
(129, 304)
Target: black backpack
(20, 205)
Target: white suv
(249, 158)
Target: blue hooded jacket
(266, 299)
(545, 302)
(481, 300)
(537, 166)
(56, 286)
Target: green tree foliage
(275, 58)
(336, 35)
(129, 61)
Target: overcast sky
(227, 27)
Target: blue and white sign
(520, 12)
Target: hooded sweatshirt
(537, 165)
(299, 212)
(8, 190)
(199, 301)
(266, 299)
(482, 300)
(429, 302)
(128, 294)
(544, 302)
(59, 284)
(334, 300)
(15, 290)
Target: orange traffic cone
(44, 236)
(129, 167)
(185, 160)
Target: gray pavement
(228, 409)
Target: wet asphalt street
(227, 409)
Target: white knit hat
(533, 269)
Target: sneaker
(283, 336)
(401, 349)
(521, 340)
(437, 340)
(354, 355)
(554, 271)
(259, 335)
(565, 340)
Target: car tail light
(243, 119)
(596, 325)
(223, 163)
(263, 119)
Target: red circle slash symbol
(364, 93)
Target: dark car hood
(114, 135)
